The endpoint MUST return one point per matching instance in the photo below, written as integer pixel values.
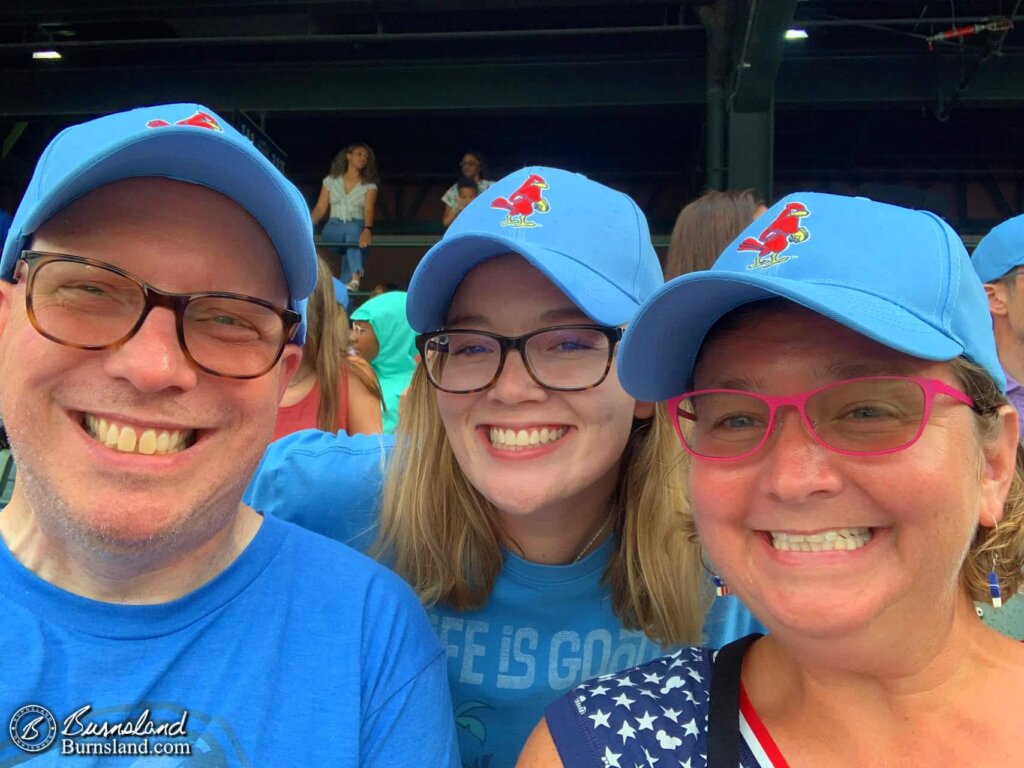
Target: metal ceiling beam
(760, 53)
(897, 80)
(413, 87)
(803, 83)
(362, 38)
(751, 122)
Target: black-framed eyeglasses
(89, 304)
(566, 358)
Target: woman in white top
(349, 191)
(472, 167)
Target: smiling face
(527, 449)
(178, 445)
(909, 516)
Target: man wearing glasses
(151, 315)
(999, 262)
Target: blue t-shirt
(301, 652)
(544, 629)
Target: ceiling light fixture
(46, 55)
(796, 34)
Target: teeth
(838, 539)
(512, 440)
(147, 443)
(127, 440)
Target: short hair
(479, 158)
(706, 226)
(465, 182)
(1000, 548)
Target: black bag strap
(724, 706)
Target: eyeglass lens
(89, 306)
(562, 358)
(857, 416)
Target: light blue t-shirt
(544, 629)
(302, 652)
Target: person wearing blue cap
(998, 260)
(525, 500)
(151, 315)
(529, 498)
(855, 475)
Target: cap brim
(659, 349)
(198, 157)
(445, 265)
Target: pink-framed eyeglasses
(866, 416)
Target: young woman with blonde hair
(532, 504)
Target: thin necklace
(593, 538)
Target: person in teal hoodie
(383, 337)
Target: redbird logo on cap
(198, 120)
(785, 229)
(524, 202)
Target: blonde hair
(441, 535)
(326, 343)
(323, 347)
(1002, 547)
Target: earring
(993, 585)
(995, 593)
(721, 588)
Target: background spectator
(331, 390)
(707, 225)
(380, 288)
(349, 192)
(381, 335)
(472, 167)
(467, 192)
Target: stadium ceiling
(451, 55)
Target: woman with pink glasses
(855, 477)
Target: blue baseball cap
(1000, 250)
(186, 142)
(589, 240)
(340, 292)
(900, 277)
